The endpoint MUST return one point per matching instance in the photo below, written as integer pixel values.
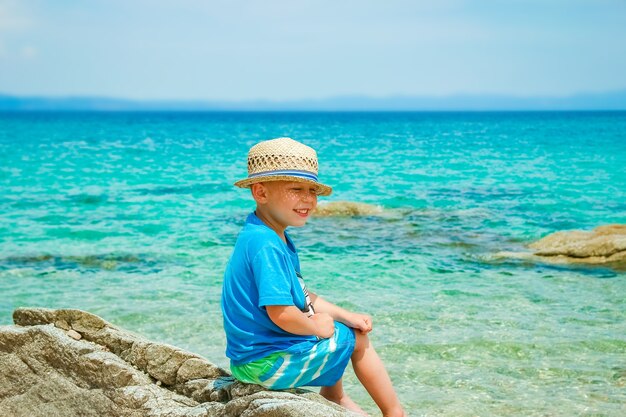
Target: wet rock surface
(604, 245)
(73, 363)
(347, 209)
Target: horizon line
(518, 96)
(611, 100)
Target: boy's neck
(280, 231)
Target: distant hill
(591, 101)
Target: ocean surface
(132, 216)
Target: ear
(259, 192)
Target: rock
(605, 245)
(74, 334)
(346, 208)
(278, 404)
(103, 370)
(62, 324)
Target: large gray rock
(108, 371)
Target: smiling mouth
(302, 212)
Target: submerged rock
(108, 371)
(604, 245)
(346, 208)
(109, 261)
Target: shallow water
(132, 216)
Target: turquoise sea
(132, 216)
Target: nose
(309, 196)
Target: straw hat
(283, 159)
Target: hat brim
(322, 189)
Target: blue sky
(283, 50)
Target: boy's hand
(325, 325)
(361, 322)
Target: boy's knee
(362, 342)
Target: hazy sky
(291, 49)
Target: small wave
(91, 195)
(459, 293)
(528, 259)
(89, 199)
(204, 188)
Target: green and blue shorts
(320, 363)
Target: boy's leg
(337, 395)
(372, 373)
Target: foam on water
(133, 217)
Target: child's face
(289, 203)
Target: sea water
(132, 216)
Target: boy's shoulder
(255, 236)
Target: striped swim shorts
(320, 363)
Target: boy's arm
(358, 321)
(292, 320)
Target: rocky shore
(73, 363)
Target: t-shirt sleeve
(272, 274)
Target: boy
(280, 335)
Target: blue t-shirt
(261, 271)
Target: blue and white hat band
(291, 173)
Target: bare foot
(346, 402)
